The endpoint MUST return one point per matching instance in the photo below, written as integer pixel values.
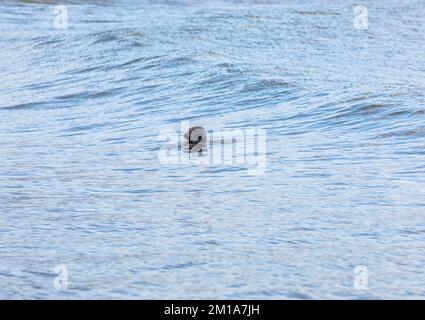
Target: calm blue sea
(88, 211)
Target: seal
(196, 136)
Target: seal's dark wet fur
(196, 136)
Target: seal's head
(196, 135)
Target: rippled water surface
(81, 184)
